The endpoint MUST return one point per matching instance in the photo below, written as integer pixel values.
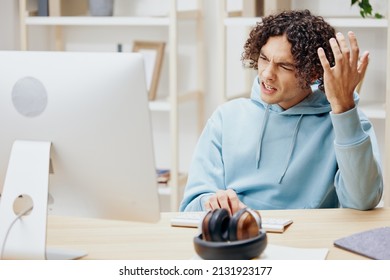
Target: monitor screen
(93, 108)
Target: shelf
(336, 22)
(108, 21)
(164, 190)
(358, 22)
(159, 106)
(98, 21)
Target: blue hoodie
(302, 157)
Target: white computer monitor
(93, 109)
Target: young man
(300, 140)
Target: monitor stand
(26, 190)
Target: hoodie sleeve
(206, 171)
(358, 182)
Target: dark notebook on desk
(374, 244)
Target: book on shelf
(163, 176)
(43, 8)
(59, 8)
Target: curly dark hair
(305, 32)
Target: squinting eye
(263, 58)
(287, 68)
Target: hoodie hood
(314, 103)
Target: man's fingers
(363, 63)
(213, 203)
(354, 48)
(224, 199)
(342, 45)
(233, 201)
(338, 56)
(324, 61)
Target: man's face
(276, 70)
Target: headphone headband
(235, 250)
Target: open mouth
(268, 87)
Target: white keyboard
(193, 219)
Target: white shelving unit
(169, 105)
(373, 109)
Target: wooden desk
(104, 239)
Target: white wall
(105, 39)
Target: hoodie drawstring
(263, 125)
(291, 148)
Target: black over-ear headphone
(226, 237)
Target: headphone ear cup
(247, 242)
(215, 225)
(243, 225)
